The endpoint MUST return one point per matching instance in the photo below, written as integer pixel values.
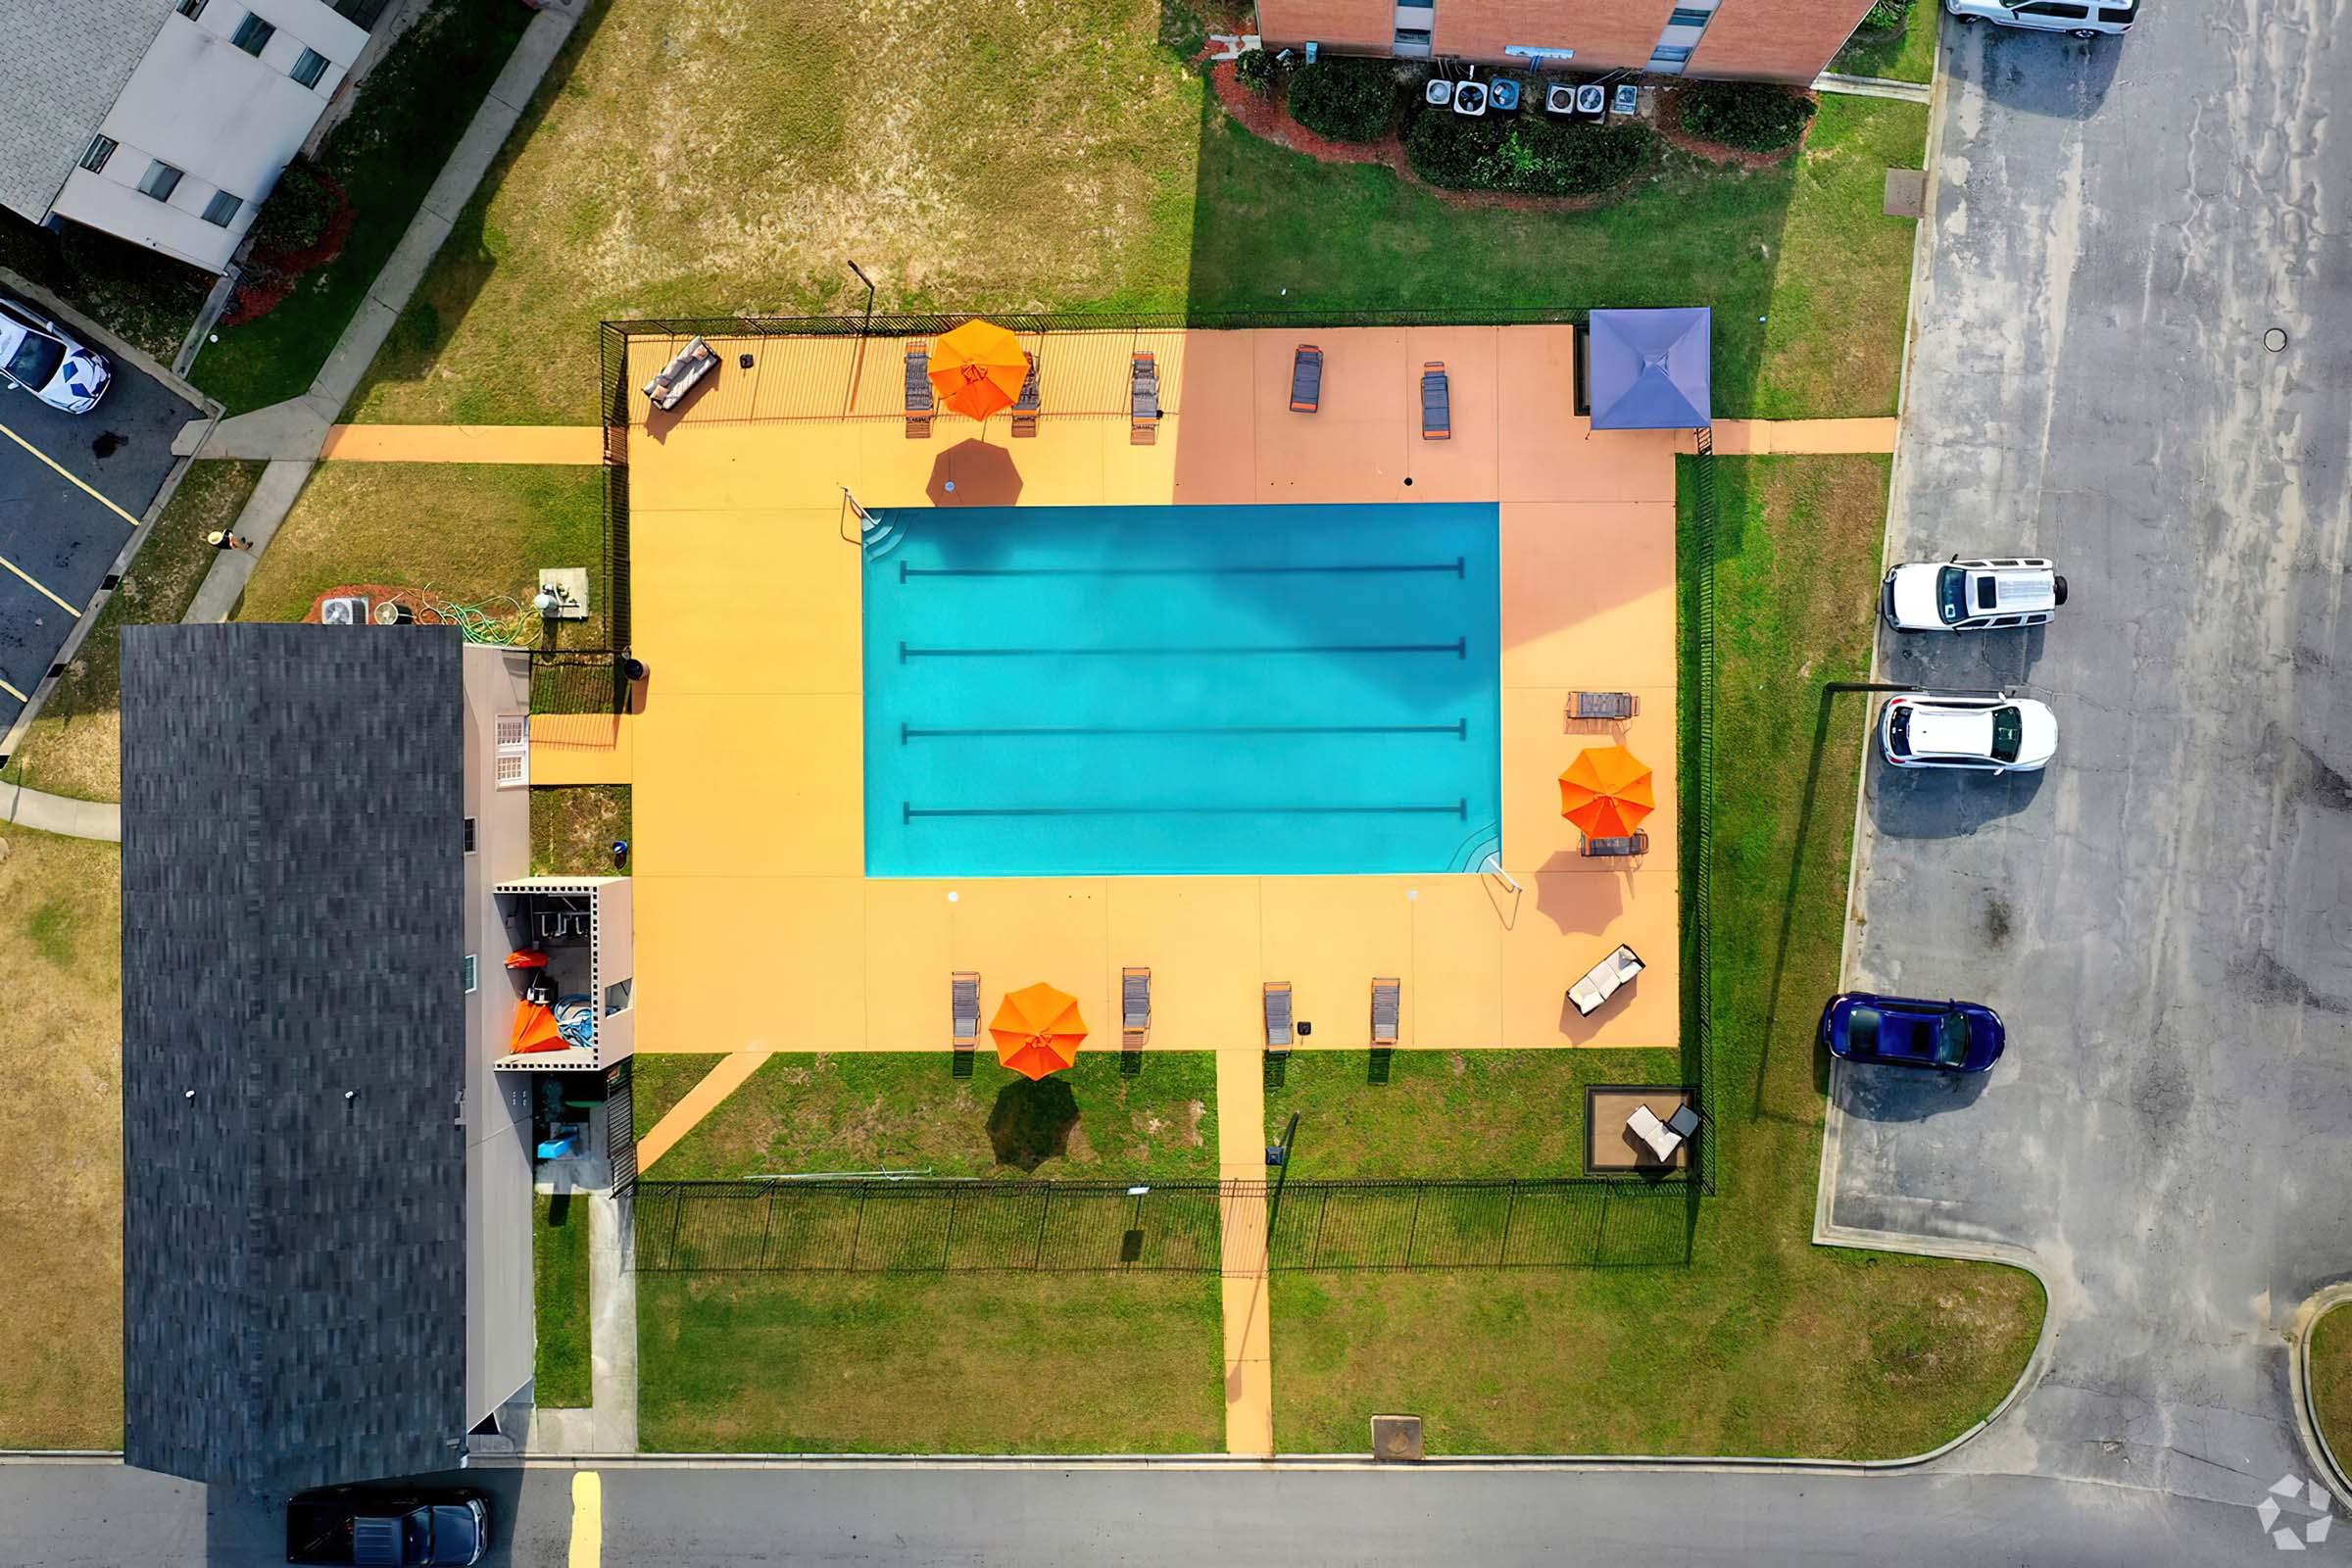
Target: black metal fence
(881, 1226)
(1699, 817)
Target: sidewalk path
(1248, 1317)
(610, 1423)
(1749, 438)
(726, 1075)
(57, 813)
(291, 436)
(580, 445)
(1910, 93)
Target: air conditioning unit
(344, 609)
(1591, 101)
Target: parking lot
(71, 488)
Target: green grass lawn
(1762, 1343)
(573, 827)
(971, 155)
(559, 1279)
(411, 110)
(2330, 1354)
(75, 747)
(467, 531)
(905, 1111)
(930, 1363)
(1898, 54)
(61, 1121)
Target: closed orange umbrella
(978, 368)
(1037, 1030)
(1606, 791)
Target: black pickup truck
(387, 1529)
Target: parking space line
(13, 692)
(40, 585)
(95, 494)
(587, 1520)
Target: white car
(2089, 20)
(1992, 734)
(1958, 594)
(39, 357)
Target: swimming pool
(1173, 690)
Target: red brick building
(1778, 40)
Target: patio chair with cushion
(1387, 1005)
(918, 391)
(1603, 704)
(1307, 380)
(1632, 844)
(1656, 1136)
(964, 1009)
(1142, 400)
(1436, 403)
(1135, 1005)
(1603, 980)
(1278, 1016)
(1024, 409)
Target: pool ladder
(878, 533)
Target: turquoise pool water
(1170, 690)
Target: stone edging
(2315, 1448)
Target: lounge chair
(669, 387)
(1307, 380)
(1387, 997)
(1135, 1005)
(1278, 1016)
(1603, 704)
(963, 1007)
(1603, 981)
(1024, 411)
(1142, 400)
(918, 391)
(1633, 844)
(1436, 403)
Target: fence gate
(620, 1127)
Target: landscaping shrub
(1884, 15)
(1756, 117)
(298, 211)
(1254, 69)
(1180, 31)
(1346, 98)
(1529, 155)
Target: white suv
(1990, 734)
(43, 358)
(1970, 595)
(2087, 19)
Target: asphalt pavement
(56, 532)
(2162, 917)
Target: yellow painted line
(38, 584)
(587, 1520)
(13, 692)
(94, 495)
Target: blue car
(1911, 1032)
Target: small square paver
(1906, 194)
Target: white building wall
(227, 120)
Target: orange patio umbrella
(1037, 1030)
(978, 368)
(1606, 791)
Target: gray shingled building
(326, 1245)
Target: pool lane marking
(1459, 729)
(909, 811)
(587, 1520)
(39, 586)
(1459, 648)
(94, 494)
(1455, 567)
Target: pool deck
(758, 928)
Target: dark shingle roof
(292, 887)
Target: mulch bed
(1266, 115)
(1670, 126)
(375, 593)
(270, 273)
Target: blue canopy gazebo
(1650, 370)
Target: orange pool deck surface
(758, 928)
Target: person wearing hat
(222, 539)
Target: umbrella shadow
(1032, 1122)
(1582, 902)
(974, 474)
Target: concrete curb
(2315, 1448)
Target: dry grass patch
(60, 1122)
(2331, 1380)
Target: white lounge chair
(1600, 982)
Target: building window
(221, 210)
(472, 974)
(1672, 54)
(1689, 17)
(100, 149)
(617, 996)
(1411, 38)
(309, 67)
(470, 835)
(161, 182)
(191, 9)
(511, 763)
(253, 34)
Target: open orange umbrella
(978, 368)
(1037, 1030)
(1606, 791)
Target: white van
(2085, 19)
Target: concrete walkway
(1910, 93)
(59, 814)
(290, 437)
(1248, 1316)
(1748, 438)
(726, 1075)
(610, 1423)
(577, 445)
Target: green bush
(1181, 33)
(1254, 69)
(1757, 117)
(1346, 97)
(1884, 15)
(1529, 155)
(297, 212)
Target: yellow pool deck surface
(756, 929)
